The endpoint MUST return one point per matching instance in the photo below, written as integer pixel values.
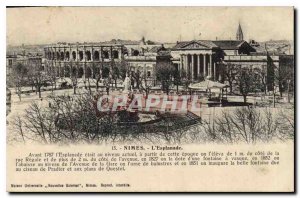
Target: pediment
(195, 45)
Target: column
(111, 53)
(84, 54)
(92, 54)
(185, 66)
(192, 67)
(77, 55)
(65, 54)
(181, 64)
(60, 70)
(210, 64)
(92, 73)
(198, 65)
(204, 64)
(84, 70)
(215, 72)
(70, 54)
(119, 53)
(64, 66)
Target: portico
(197, 65)
(197, 59)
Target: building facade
(28, 60)
(202, 58)
(89, 59)
(82, 60)
(195, 60)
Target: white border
(108, 3)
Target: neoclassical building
(200, 58)
(196, 58)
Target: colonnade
(198, 65)
(83, 53)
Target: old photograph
(212, 87)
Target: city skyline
(161, 24)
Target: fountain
(126, 115)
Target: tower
(239, 33)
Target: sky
(44, 25)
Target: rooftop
(156, 49)
(228, 44)
(205, 43)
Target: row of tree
(32, 74)
(241, 79)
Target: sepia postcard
(150, 99)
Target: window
(67, 55)
(80, 55)
(96, 55)
(115, 54)
(105, 54)
(135, 53)
(62, 56)
(10, 62)
(57, 55)
(148, 73)
(88, 55)
(74, 55)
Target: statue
(126, 84)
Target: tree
(165, 72)
(144, 84)
(115, 74)
(137, 77)
(248, 82)
(262, 75)
(39, 123)
(230, 73)
(249, 125)
(177, 79)
(123, 68)
(18, 127)
(17, 77)
(52, 78)
(36, 74)
(74, 76)
(88, 75)
(285, 75)
(271, 73)
(98, 74)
